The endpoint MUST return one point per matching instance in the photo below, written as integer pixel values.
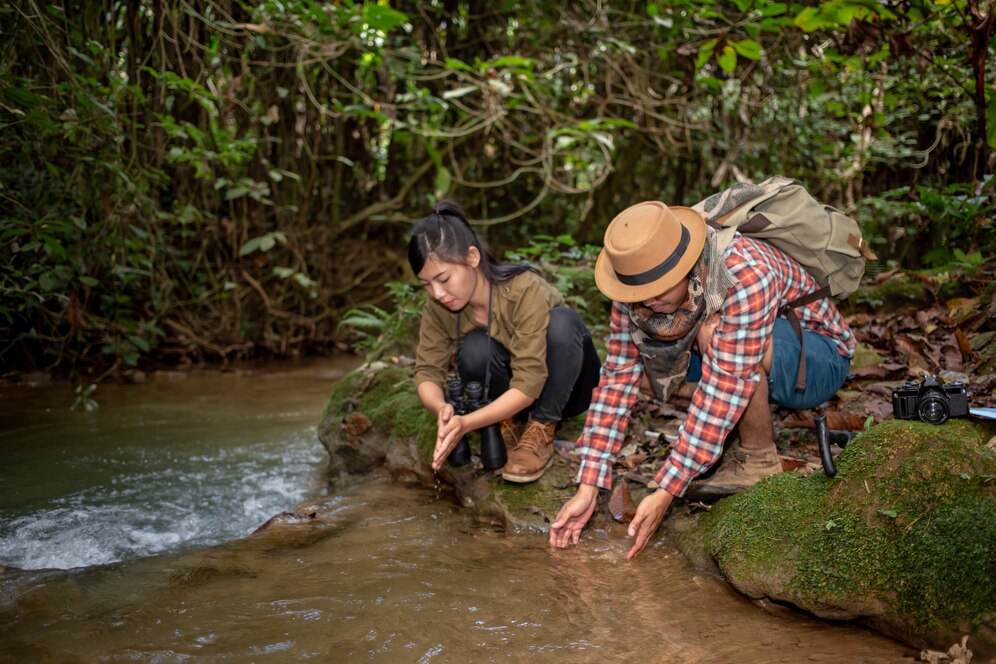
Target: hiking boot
(533, 455)
(739, 468)
(510, 431)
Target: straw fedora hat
(649, 247)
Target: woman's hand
(648, 516)
(450, 427)
(572, 517)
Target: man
(686, 310)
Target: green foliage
(569, 266)
(378, 331)
(193, 182)
(929, 227)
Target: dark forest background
(209, 181)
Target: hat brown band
(655, 273)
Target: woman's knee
(565, 326)
(473, 353)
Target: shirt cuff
(596, 473)
(671, 479)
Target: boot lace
(536, 436)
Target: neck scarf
(665, 340)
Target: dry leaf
(789, 463)
(633, 460)
(963, 343)
(621, 504)
(356, 424)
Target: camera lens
(933, 408)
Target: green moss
(909, 522)
(385, 394)
(535, 504)
(891, 293)
(865, 356)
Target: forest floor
(899, 339)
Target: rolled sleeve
(435, 348)
(608, 415)
(531, 317)
(730, 372)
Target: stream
(127, 533)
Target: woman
(510, 331)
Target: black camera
(929, 401)
(493, 455)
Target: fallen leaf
(925, 321)
(963, 343)
(621, 504)
(952, 357)
(882, 276)
(633, 460)
(876, 372)
(789, 463)
(356, 424)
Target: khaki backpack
(824, 240)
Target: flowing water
(387, 572)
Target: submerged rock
(901, 539)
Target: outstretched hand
(572, 517)
(648, 517)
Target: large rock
(902, 538)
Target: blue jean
(826, 369)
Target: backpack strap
(788, 311)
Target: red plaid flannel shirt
(767, 279)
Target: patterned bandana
(665, 340)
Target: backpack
(824, 240)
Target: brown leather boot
(739, 468)
(533, 455)
(510, 431)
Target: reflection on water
(157, 468)
(395, 573)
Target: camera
(493, 455)
(929, 401)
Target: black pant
(571, 362)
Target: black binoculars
(493, 455)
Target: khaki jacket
(519, 319)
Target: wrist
(587, 490)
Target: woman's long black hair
(446, 236)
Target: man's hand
(572, 517)
(449, 430)
(648, 516)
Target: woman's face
(451, 284)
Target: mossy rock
(903, 538)
(374, 419)
(892, 294)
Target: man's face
(669, 301)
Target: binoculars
(493, 455)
